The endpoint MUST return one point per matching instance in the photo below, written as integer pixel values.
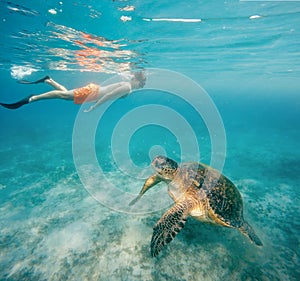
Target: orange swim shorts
(87, 93)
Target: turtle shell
(223, 198)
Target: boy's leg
(47, 80)
(66, 95)
(55, 85)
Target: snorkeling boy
(89, 93)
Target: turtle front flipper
(150, 182)
(168, 226)
(248, 231)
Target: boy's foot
(34, 82)
(16, 104)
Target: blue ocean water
(244, 54)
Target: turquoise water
(59, 219)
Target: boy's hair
(140, 76)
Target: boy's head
(139, 78)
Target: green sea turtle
(198, 191)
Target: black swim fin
(16, 104)
(34, 82)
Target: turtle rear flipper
(248, 231)
(168, 226)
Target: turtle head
(165, 171)
(165, 167)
